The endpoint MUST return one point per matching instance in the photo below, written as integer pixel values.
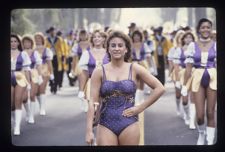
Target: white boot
(192, 116)
(18, 117)
(186, 114)
(41, 100)
(32, 110)
(210, 134)
(139, 96)
(201, 134)
(27, 109)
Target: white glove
(177, 84)
(29, 87)
(40, 80)
(51, 77)
(71, 75)
(152, 71)
(184, 91)
(81, 94)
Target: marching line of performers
(39, 60)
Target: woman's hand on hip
(132, 111)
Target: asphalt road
(65, 122)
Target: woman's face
(82, 37)
(97, 39)
(117, 48)
(188, 39)
(137, 38)
(14, 43)
(38, 40)
(205, 30)
(27, 44)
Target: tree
(51, 17)
(20, 24)
(199, 13)
(190, 16)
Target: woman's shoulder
(136, 66)
(98, 71)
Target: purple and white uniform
(22, 62)
(205, 73)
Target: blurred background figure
(70, 41)
(161, 49)
(131, 28)
(55, 43)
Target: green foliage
(20, 24)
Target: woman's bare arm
(152, 82)
(94, 97)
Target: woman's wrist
(141, 107)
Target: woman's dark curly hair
(83, 32)
(200, 22)
(138, 32)
(125, 38)
(185, 35)
(19, 41)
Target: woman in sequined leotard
(114, 86)
(202, 56)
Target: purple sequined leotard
(116, 97)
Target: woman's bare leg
(12, 98)
(105, 137)
(200, 113)
(192, 110)
(211, 103)
(130, 135)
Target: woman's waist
(118, 101)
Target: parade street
(65, 122)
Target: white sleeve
(147, 50)
(190, 53)
(26, 60)
(74, 50)
(83, 62)
(176, 56)
(151, 47)
(37, 58)
(171, 53)
(49, 54)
